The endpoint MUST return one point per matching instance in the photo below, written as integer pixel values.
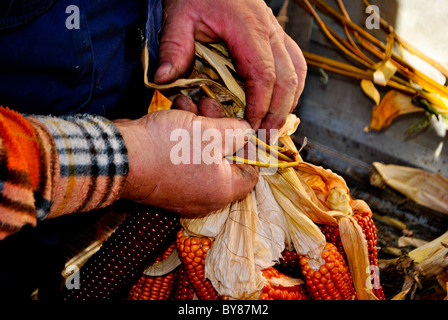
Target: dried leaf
(207, 226)
(221, 65)
(272, 218)
(393, 105)
(159, 102)
(371, 91)
(426, 188)
(165, 266)
(410, 241)
(230, 262)
(432, 257)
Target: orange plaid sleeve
(53, 166)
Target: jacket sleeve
(51, 166)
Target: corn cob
(281, 291)
(368, 227)
(365, 221)
(154, 287)
(183, 290)
(332, 281)
(121, 259)
(289, 264)
(192, 252)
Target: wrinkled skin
(271, 63)
(274, 70)
(190, 189)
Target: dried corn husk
(222, 65)
(432, 257)
(165, 266)
(273, 221)
(206, 226)
(393, 105)
(306, 237)
(384, 73)
(426, 188)
(230, 263)
(370, 90)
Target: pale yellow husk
(432, 257)
(250, 240)
(206, 226)
(426, 188)
(274, 227)
(230, 262)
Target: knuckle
(267, 75)
(289, 82)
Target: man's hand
(271, 63)
(190, 189)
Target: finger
(244, 179)
(298, 60)
(234, 133)
(176, 49)
(209, 107)
(185, 103)
(256, 66)
(285, 86)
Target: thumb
(234, 133)
(176, 49)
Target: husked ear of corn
(332, 281)
(153, 288)
(192, 252)
(183, 290)
(119, 262)
(158, 287)
(282, 287)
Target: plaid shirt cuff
(93, 163)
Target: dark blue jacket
(54, 60)
(50, 66)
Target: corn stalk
(389, 69)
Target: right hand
(190, 189)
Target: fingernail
(163, 71)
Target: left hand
(269, 61)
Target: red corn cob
(273, 291)
(155, 287)
(183, 290)
(368, 227)
(192, 252)
(331, 282)
(145, 233)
